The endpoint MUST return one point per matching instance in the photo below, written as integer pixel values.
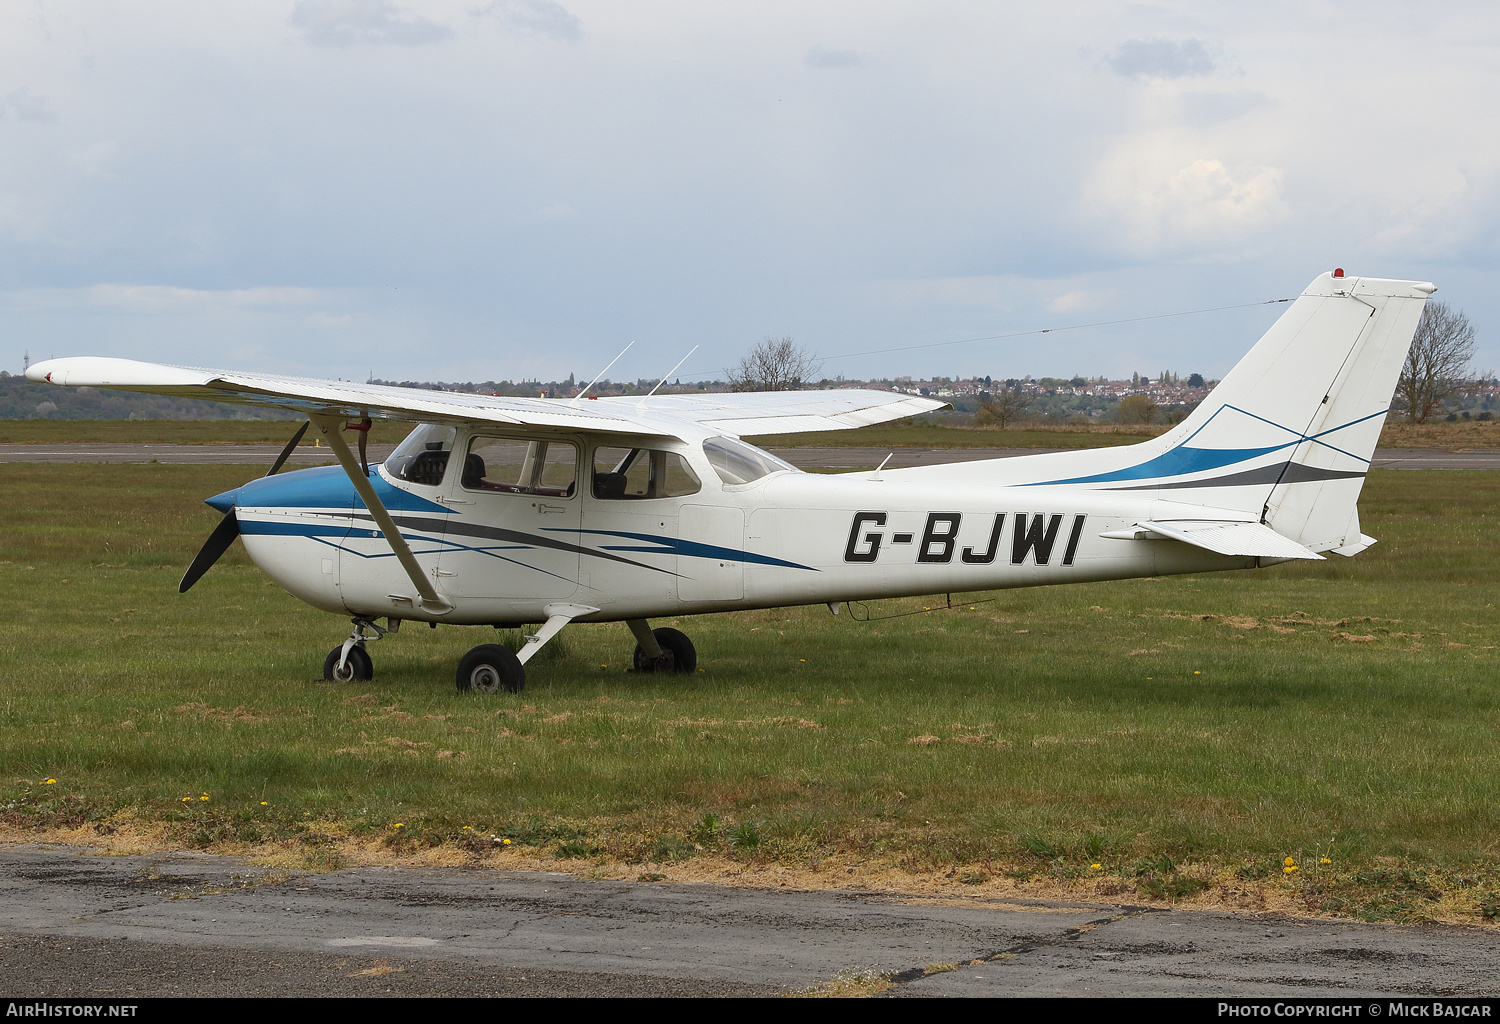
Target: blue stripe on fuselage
(1177, 462)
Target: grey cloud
(348, 22)
(537, 18)
(823, 57)
(28, 107)
(1161, 58)
(1205, 108)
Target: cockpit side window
(623, 474)
(739, 463)
(514, 466)
(423, 457)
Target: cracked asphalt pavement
(74, 924)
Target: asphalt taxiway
(75, 924)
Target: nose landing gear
(351, 662)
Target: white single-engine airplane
(509, 512)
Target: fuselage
(639, 529)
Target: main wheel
(490, 668)
(677, 653)
(357, 666)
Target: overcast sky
(476, 190)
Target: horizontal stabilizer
(1350, 550)
(1238, 539)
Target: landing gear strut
(662, 650)
(489, 668)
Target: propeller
(229, 527)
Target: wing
(781, 412)
(673, 415)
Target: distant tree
(776, 364)
(1002, 408)
(1136, 409)
(1077, 382)
(1437, 364)
(1195, 380)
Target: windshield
(423, 457)
(739, 463)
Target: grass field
(1186, 735)
(1470, 434)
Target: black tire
(357, 667)
(678, 653)
(490, 668)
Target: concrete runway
(807, 458)
(196, 925)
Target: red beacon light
(1338, 272)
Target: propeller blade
(218, 542)
(291, 446)
(229, 527)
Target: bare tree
(1437, 364)
(1002, 408)
(776, 364)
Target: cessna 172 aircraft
(509, 512)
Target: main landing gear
(490, 668)
(662, 650)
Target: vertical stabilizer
(1285, 438)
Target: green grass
(1346, 708)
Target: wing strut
(329, 427)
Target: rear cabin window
(625, 474)
(512, 466)
(423, 457)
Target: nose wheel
(350, 662)
(356, 666)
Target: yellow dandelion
(1196, 672)
(1289, 869)
(399, 824)
(1289, 862)
(186, 799)
(1325, 860)
(205, 797)
(1096, 867)
(50, 782)
(506, 843)
(264, 804)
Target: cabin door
(513, 530)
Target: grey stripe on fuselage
(1284, 472)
